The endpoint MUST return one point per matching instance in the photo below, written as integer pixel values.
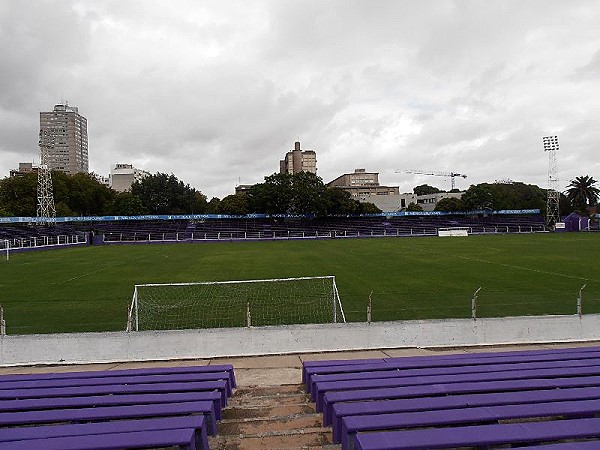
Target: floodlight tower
(552, 204)
(46, 212)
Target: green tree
(127, 204)
(517, 195)
(236, 204)
(414, 207)
(18, 195)
(309, 194)
(213, 206)
(449, 204)
(478, 197)
(274, 196)
(368, 208)
(341, 202)
(166, 194)
(87, 196)
(425, 189)
(582, 193)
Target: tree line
(301, 193)
(83, 195)
(581, 196)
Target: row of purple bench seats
(315, 368)
(323, 382)
(482, 436)
(471, 378)
(359, 401)
(132, 408)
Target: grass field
(90, 288)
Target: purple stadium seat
(205, 408)
(579, 445)
(99, 381)
(341, 410)
(182, 438)
(332, 398)
(449, 361)
(10, 435)
(336, 362)
(400, 381)
(36, 404)
(124, 372)
(221, 386)
(486, 414)
(394, 373)
(472, 436)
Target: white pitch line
(95, 271)
(512, 266)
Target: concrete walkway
(282, 369)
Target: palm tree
(582, 193)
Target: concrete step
(266, 425)
(273, 417)
(288, 440)
(266, 410)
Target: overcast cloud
(216, 92)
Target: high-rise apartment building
(63, 132)
(298, 161)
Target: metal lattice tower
(45, 195)
(552, 204)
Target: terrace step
(274, 417)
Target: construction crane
(450, 175)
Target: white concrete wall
(166, 345)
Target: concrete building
(102, 179)
(429, 201)
(63, 132)
(23, 169)
(364, 186)
(122, 176)
(298, 160)
(243, 188)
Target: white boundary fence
(229, 342)
(133, 237)
(17, 244)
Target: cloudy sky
(216, 92)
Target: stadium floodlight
(550, 144)
(219, 304)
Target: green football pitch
(90, 288)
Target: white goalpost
(7, 248)
(218, 304)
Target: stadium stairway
(271, 417)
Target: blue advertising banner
(33, 220)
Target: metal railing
(22, 243)
(236, 235)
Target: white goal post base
(453, 231)
(242, 303)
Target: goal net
(218, 304)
